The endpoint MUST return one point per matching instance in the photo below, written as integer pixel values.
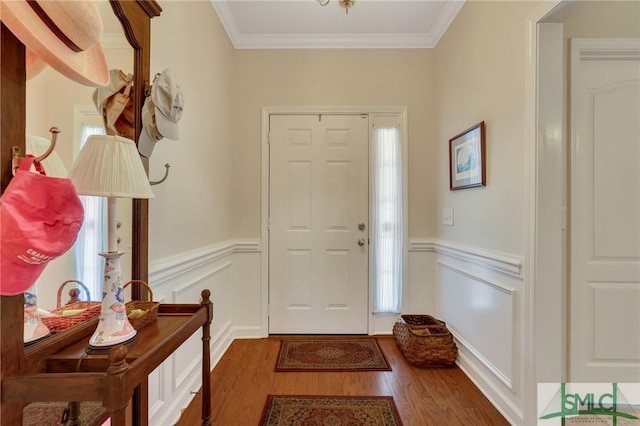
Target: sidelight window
(388, 219)
(91, 238)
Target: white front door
(318, 201)
(605, 205)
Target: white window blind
(388, 224)
(91, 238)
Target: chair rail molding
(169, 268)
(505, 263)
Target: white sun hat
(63, 33)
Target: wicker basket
(72, 313)
(425, 341)
(149, 308)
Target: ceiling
(304, 24)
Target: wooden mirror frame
(15, 359)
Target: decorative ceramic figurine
(34, 328)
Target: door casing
(380, 323)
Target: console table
(71, 374)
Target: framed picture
(467, 159)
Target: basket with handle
(425, 341)
(74, 311)
(140, 313)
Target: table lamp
(110, 166)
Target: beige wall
(51, 100)
(193, 208)
(480, 65)
(331, 78)
(594, 19)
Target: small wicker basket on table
(73, 312)
(141, 313)
(425, 341)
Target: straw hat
(115, 104)
(65, 34)
(34, 64)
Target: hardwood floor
(424, 396)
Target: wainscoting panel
(481, 314)
(181, 279)
(480, 295)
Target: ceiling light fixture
(346, 4)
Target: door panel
(318, 280)
(605, 205)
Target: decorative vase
(113, 324)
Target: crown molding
(336, 41)
(114, 41)
(446, 17)
(227, 20)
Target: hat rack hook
(166, 174)
(16, 154)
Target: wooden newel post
(115, 399)
(206, 359)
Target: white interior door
(605, 205)
(318, 199)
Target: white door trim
(374, 325)
(534, 239)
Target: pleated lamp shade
(36, 146)
(110, 166)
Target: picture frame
(467, 158)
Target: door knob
(362, 226)
(361, 242)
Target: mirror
(54, 100)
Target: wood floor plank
(245, 375)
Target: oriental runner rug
(331, 354)
(330, 410)
(50, 413)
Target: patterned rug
(330, 410)
(331, 354)
(50, 413)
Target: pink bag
(40, 217)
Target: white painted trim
(504, 378)
(194, 282)
(504, 263)
(531, 204)
(477, 277)
(292, 110)
(264, 221)
(336, 41)
(484, 361)
(598, 49)
(169, 411)
(178, 379)
(171, 267)
(82, 114)
(465, 364)
(227, 20)
(446, 17)
(114, 41)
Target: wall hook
(166, 174)
(16, 154)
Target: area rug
(331, 354)
(330, 410)
(50, 413)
